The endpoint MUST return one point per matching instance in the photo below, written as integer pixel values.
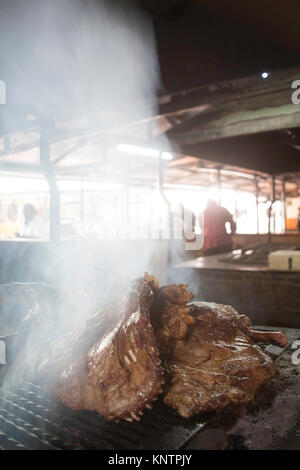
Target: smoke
(89, 62)
(68, 58)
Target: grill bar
(31, 420)
(54, 434)
(21, 432)
(53, 431)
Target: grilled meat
(278, 338)
(243, 323)
(111, 364)
(170, 315)
(216, 363)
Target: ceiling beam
(240, 107)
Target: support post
(273, 200)
(219, 182)
(125, 222)
(284, 204)
(162, 193)
(46, 130)
(160, 183)
(271, 206)
(257, 203)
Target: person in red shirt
(216, 238)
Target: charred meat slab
(111, 364)
(201, 356)
(216, 363)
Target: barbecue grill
(33, 418)
(30, 419)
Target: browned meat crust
(176, 294)
(170, 315)
(273, 337)
(112, 364)
(216, 364)
(115, 371)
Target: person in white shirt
(33, 225)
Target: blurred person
(12, 212)
(298, 220)
(216, 237)
(33, 225)
(11, 224)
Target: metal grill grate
(30, 420)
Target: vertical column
(125, 211)
(160, 183)
(219, 183)
(257, 203)
(283, 198)
(272, 198)
(46, 132)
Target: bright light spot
(167, 155)
(265, 75)
(75, 185)
(146, 152)
(31, 185)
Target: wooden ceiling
(207, 41)
(213, 104)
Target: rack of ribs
(200, 356)
(111, 364)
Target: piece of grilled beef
(111, 364)
(171, 315)
(214, 361)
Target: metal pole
(273, 200)
(219, 182)
(271, 205)
(160, 183)
(284, 204)
(257, 204)
(125, 214)
(46, 131)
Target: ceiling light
(265, 75)
(144, 151)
